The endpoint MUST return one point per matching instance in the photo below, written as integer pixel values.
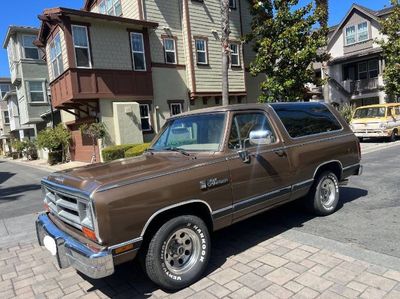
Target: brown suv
(204, 171)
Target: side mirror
(261, 137)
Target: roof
(14, 29)
(54, 15)
(5, 80)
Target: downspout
(186, 17)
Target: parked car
(377, 121)
(204, 171)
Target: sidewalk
(43, 165)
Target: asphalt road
(20, 192)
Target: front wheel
(392, 137)
(178, 253)
(324, 194)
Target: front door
(266, 178)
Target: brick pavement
(268, 263)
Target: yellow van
(381, 120)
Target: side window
(243, 124)
(306, 119)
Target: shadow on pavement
(5, 176)
(130, 281)
(13, 193)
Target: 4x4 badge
(213, 182)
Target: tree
(95, 131)
(391, 52)
(225, 50)
(56, 141)
(286, 43)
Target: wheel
(392, 137)
(178, 253)
(324, 194)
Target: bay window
(30, 50)
(56, 57)
(81, 46)
(138, 54)
(37, 91)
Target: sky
(25, 12)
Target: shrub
(347, 112)
(137, 150)
(18, 146)
(115, 152)
(54, 140)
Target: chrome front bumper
(370, 134)
(72, 253)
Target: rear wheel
(178, 253)
(324, 194)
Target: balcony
(89, 84)
(361, 86)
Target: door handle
(280, 153)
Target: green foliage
(18, 145)
(115, 152)
(30, 149)
(53, 139)
(347, 112)
(391, 52)
(94, 130)
(286, 44)
(137, 150)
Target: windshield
(370, 112)
(192, 133)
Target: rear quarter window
(306, 119)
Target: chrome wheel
(327, 192)
(182, 251)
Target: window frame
(106, 11)
(169, 51)
(356, 33)
(171, 104)
(88, 47)
(29, 47)
(366, 31)
(60, 66)
(1, 91)
(6, 117)
(239, 64)
(142, 52)
(205, 51)
(148, 117)
(44, 93)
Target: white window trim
(44, 91)
(237, 54)
(80, 47)
(5, 117)
(234, 5)
(356, 34)
(113, 8)
(30, 47)
(147, 117)
(56, 58)
(176, 104)
(141, 52)
(169, 51)
(201, 51)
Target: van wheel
(324, 194)
(178, 253)
(392, 137)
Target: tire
(178, 253)
(392, 137)
(323, 197)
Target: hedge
(115, 152)
(137, 150)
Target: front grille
(67, 208)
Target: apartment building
(5, 137)
(354, 71)
(28, 102)
(132, 64)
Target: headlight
(383, 126)
(86, 214)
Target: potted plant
(55, 141)
(95, 131)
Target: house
(354, 71)
(5, 138)
(132, 64)
(29, 99)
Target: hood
(89, 178)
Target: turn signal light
(123, 249)
(89, 233)
(46, 207)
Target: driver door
(265, 179)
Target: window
(235, 61)
(6, 118)
(30, 51)
(357, 33)
(110, 7)
(175, 108)
(145, 117)
(350, 35)
(10, 53)
(4, 88)
(373, 68)
(243, 124)
(201, 50)
(56, 56)
(138, 56)
(362, 70)
(36, 91)
(306, 119)
(169, 50)
(81, 45)
(362, 31)
(232, 4)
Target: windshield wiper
(176, 149)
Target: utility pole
(225, 50)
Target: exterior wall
(14, 113)
(130, 9)
(253, 87)
(64, 54)
(248, 53)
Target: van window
(306, 118)
(370, 112)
